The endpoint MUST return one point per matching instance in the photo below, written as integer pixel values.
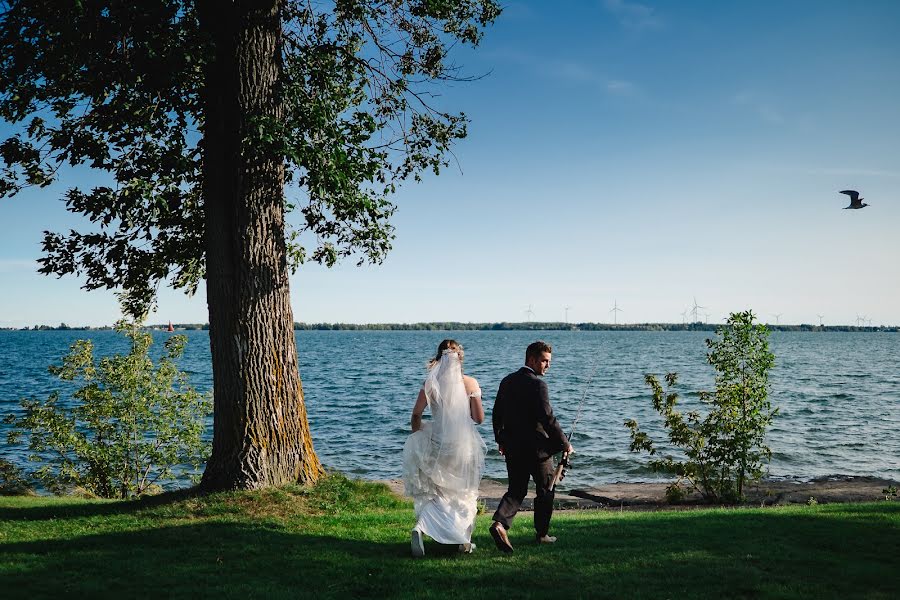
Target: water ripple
(832, 419)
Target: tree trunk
(261, 435)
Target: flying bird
(855, 200)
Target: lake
(838, 393)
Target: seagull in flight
(855, 200)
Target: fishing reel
(565, 462)
(561, 469)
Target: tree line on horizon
(487, 326)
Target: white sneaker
(418, 546)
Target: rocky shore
(650, 496)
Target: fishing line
(563, 466)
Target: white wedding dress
(444, 460)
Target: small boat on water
(170, 328)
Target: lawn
(351, 539)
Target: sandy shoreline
(648, 496)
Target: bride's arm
(473, 391)
(476, 409)
(416, 420)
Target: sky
(645, 156)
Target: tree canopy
(201, 113)
(117, 87)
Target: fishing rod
(563, 467)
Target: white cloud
(8, 265)
(762, 107)
(571, 71)
(518, 10)
(634, 15)
(578, 73)
(852, 172)
(623, 88)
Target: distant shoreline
(501, 326)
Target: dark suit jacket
(523, 419)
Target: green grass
(350, 539)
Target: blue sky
(644, 154)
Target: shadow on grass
(61, 509)
(216, 560)
(838, 551)
(735, 554)
(181, 561)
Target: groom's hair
(535, 349)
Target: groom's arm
(548, 420)
(497, 416)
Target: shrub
(12, 481)
(131, 426)
(724, 448)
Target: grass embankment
(350, 539)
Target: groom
(528, 435)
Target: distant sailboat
(170, 327)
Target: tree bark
(261, 435)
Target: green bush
(131, 425)
(725, 448)
(13, 481)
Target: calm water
(839, 393)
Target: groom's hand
(570, 450)
(500, 450)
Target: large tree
(202, 114)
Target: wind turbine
(615, 309)
(820, 319)
(567, 313)
(684, 316)
(529, 313)
(695, 309)
(858, 319)
(777, 318)
(707, 317)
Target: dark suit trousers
(520, 469)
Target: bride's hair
(446, 345)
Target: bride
(443, 459)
